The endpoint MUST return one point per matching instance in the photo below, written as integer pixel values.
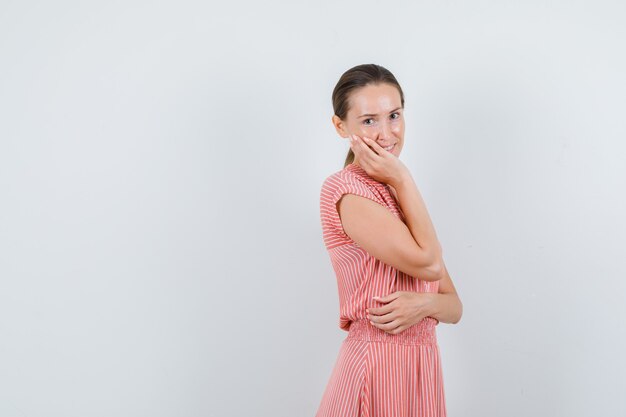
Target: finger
(366, 151)
(398, 329)
(356, 147)
(375, 146)
(383, 319)
(378, 311)
(388, 297)
(389, 325)
(381, 326)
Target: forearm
(417, 218)
(446, 308)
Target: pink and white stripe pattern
(376, 374)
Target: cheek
(359, 129)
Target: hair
(353, 79)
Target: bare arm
(418, 221)
(386, 237)
(413, 247)
(446, 305)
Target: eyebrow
(369, 114)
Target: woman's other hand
(380, 164)
(402, 310)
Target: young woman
(394, 287)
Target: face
(376, 112)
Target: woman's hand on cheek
(380, 164)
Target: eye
(365, 121)
(397, 114)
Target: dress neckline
(354, 167)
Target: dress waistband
(422, 333)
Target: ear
(338, 123)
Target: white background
(160, 166)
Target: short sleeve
(333, 188)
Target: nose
(384, 133)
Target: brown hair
(354, 78)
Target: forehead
(374, 99)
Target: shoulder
(345, 181)
(340, 180)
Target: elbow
(434, 271)
(437, 265)
(459, 313)
(438, 270)
(457, 309)
(426, 264)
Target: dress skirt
(378, 374)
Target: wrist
(403, 179)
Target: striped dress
(376, 374)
